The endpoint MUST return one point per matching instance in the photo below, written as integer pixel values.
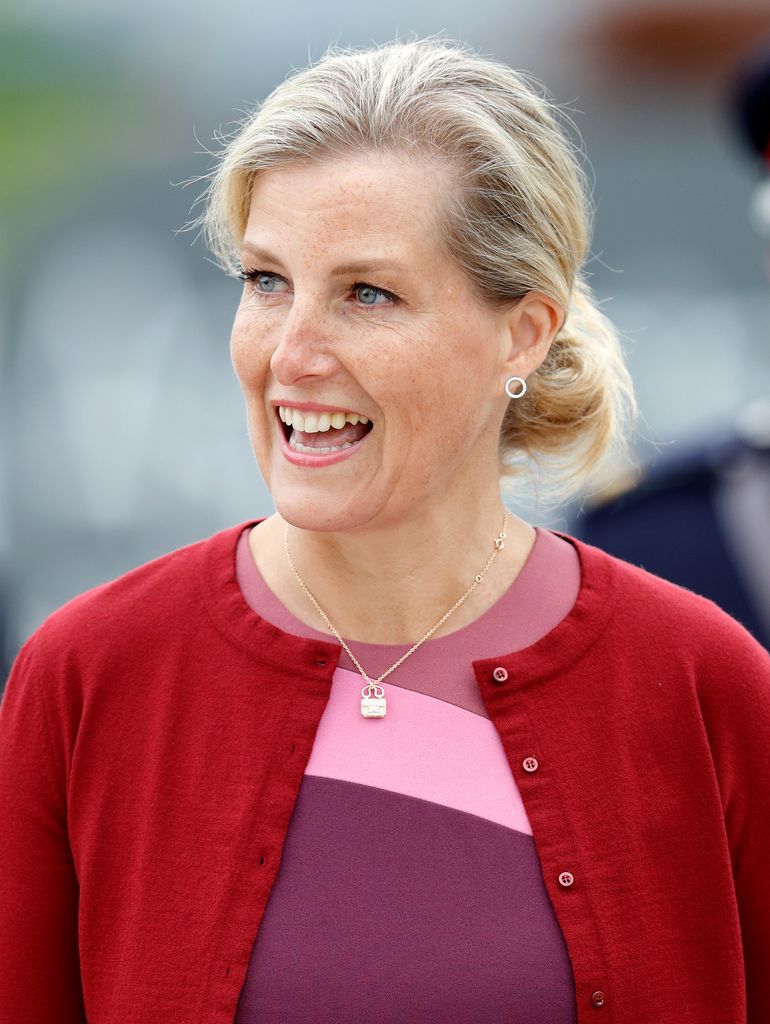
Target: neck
(391, 584)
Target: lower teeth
(308, 448)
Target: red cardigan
(154, 734)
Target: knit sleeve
(39, 964)
(735, 698)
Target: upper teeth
(313, 422)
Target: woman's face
(356, 307)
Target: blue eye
(257, 275)
(267, 277)
(370, 288)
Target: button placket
(566, 879)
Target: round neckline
(242, 626)
(391, 649)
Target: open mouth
(352, 433)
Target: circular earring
(519, 394)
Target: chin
(308, 512)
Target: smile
(300, 454)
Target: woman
(393, 753)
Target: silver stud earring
(519, 394)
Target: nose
(303, 347)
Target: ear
(529, 330)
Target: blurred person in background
(393, 753)
(700, 516)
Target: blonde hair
(517, 220)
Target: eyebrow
(354, 267)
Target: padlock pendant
(373, 706)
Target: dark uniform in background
(700, 516)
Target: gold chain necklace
(372, 695)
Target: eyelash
(252, 275)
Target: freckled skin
(428, 369)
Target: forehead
(368, 202)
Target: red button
(598, 998)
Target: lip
(324, 459)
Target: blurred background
(122, 428)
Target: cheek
(247, 354)
(238, 356)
